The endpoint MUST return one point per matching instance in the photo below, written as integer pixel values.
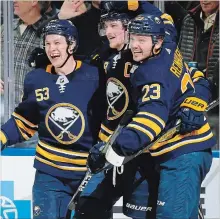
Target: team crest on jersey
(117, 98)
(61, 82)
(65, 122)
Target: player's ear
(159, 43)
(157, 46)
(72, 47)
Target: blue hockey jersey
(118, 90)
(66, 112)
(162, 84)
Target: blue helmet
(64, 28)
(112, 16)
(147, 25)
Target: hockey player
(62, 103)
(164, 91)
(100, 193)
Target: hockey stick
(124, 121)
(201, 215)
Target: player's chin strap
(69, 54)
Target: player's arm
(192, 108)
(152, 115)
(24, 120)
(202, 85)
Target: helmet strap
(69, 54)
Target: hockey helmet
(147, 25)
(112, 16)
(64, 28)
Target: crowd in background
(197, 23)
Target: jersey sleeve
(24, 120)
(154, 101)
(202, 85)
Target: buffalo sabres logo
(65, 122)
(117, 97)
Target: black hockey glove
(191, 120)
(96, 160)
(38, 59)
(119, 6)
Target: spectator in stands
(199, 39)
(31, 15)
(178, 10)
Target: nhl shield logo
(65, 122)
(117, 98)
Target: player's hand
(191, 120)
(96, 160)
(1, 86)
(71, 9)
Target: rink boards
(17, 176)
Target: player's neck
(67, 68)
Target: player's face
(141, 47)
(56, 49)
(21, 8)
(209, 7)
(115, 33)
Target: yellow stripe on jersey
(167, 17)
(103, 137)
(78, 64)
(21, 125)
(194, 103)
(133, 5)
(106, 129)
(3, 138)
(149, 123)
(182, 143)
(24, 135)
(178, 137)
(198, 74)
(54, 157)
(49, 68)
(146, 132)
(24, 120)
(153, 116)
(59, 166)
(79, 154)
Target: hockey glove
(96, 160)
(38, 58)
(119, 6)
(191, 120)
